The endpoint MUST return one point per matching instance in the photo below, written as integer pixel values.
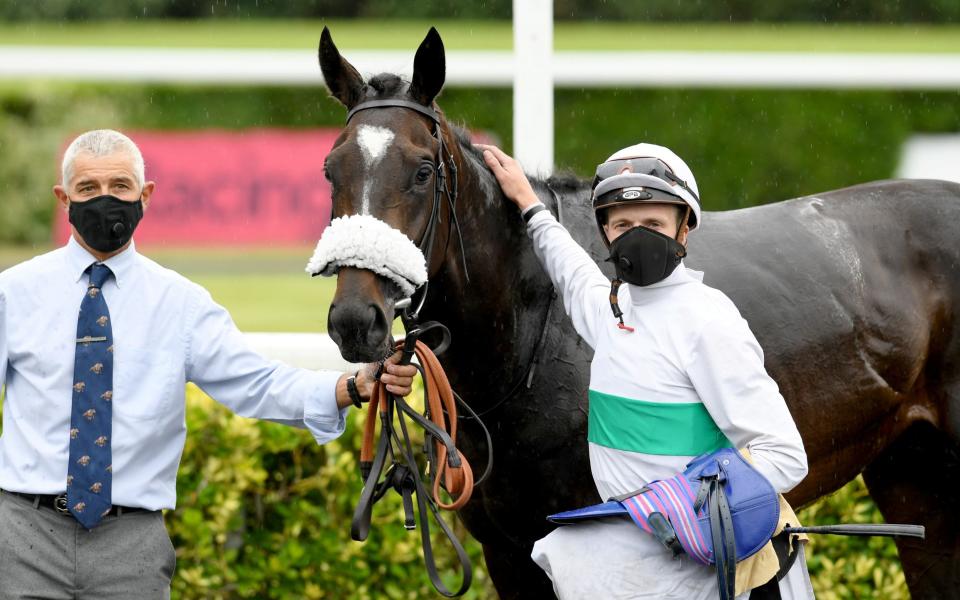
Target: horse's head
(384, 166)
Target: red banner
(232, 188)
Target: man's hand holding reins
(510, 176)
(397, 378)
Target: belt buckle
(60, 504)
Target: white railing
(493, 68)
(306, 350)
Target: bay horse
(853, 294)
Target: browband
(429, 112)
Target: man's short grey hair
(102, 142)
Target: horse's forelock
(387, 85)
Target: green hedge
(745, 146)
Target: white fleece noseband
(366, 242)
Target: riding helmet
(645, 173)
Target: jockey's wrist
(531, 210)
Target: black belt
(58, 504)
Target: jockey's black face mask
(642, 256)
(106, 223)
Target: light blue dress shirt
(167, 331)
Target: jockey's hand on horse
(397, 378)
(510, 176)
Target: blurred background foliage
(903, 11)
(746, 147)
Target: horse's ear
(429, 69)
(343, 81)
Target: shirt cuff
(531, 210)
(321, 415)
(538, 218)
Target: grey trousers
(49, 556)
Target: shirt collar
(78, 259)
(679, 276)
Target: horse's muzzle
(360, 330)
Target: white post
(533, 85)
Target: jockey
(676, 372)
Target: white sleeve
(726, 368)
(585, 289)
(4, 352)
(223, 365)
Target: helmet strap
(683, 221)
(615, 305)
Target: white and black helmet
(645, 173)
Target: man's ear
(342, 79)
(61, 194)
(145, 194)
(682, 237)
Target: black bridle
(443, 163)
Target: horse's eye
(326, 174)
(423, 174)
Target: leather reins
(446, 465)
(451, 466)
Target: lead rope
(446, 465)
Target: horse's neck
(496, 315)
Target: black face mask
(106, 223)
(643, 256)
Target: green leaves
(852, 567)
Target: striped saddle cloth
(719, 511)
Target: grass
(265, 289)
(272, 301)
(479, 35)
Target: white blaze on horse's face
(373, 142)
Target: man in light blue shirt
(156, 332)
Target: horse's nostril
(378, 326)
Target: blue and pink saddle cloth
(719, 511)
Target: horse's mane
(566, 184)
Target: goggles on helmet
(640, 166)
(639, 181)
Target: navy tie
(90, 467)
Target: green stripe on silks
(653, 427)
